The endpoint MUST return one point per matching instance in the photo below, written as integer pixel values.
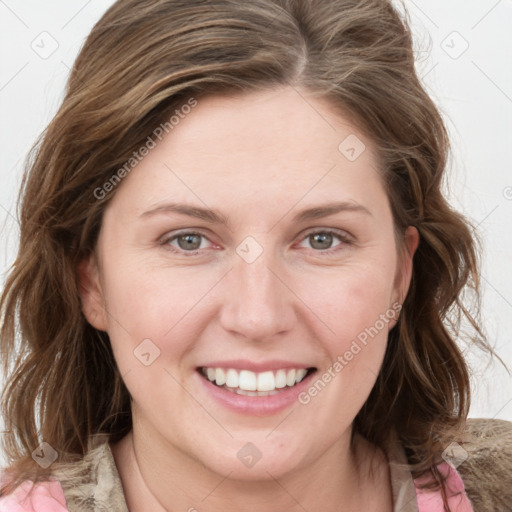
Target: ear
(404, 269)
(91, 294)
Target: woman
(237, 274)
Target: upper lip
(257, 367)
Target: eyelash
(343, 237)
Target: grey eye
(189, 241)
(321, 240)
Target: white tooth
(232, 378)
(290, 377)
(254, 382)
(266, 381)
(256, 393)
(246, 393)
(247, 380)
(280, 379)
(220, 376)
(300, 375)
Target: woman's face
(264, 283)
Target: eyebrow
(214, 216)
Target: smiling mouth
(246, 382)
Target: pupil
(188, 242)
(323, 238)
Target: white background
(472, 86)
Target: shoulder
(486, 468)
(42, 497)
(90, 483)
(93, 483)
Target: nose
(258, 303)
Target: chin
(254, 464)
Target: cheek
(351, 300)
(148, 327)
(354, 321)
(149, 300)
(145, 305)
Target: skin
(259, 159)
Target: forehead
(285, 122)
(257, 147)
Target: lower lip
(255, 405)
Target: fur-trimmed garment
(94, 485)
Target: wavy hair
(141, 61)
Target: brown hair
(141, 61)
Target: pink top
(49, 496)
(45, 497)
(455, 493)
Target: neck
(160, 477)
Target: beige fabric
(402, 484)
(487, 472)
(94, 485)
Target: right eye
(188, 242)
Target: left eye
(190, 242)
(323, 240)
(187, 242)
